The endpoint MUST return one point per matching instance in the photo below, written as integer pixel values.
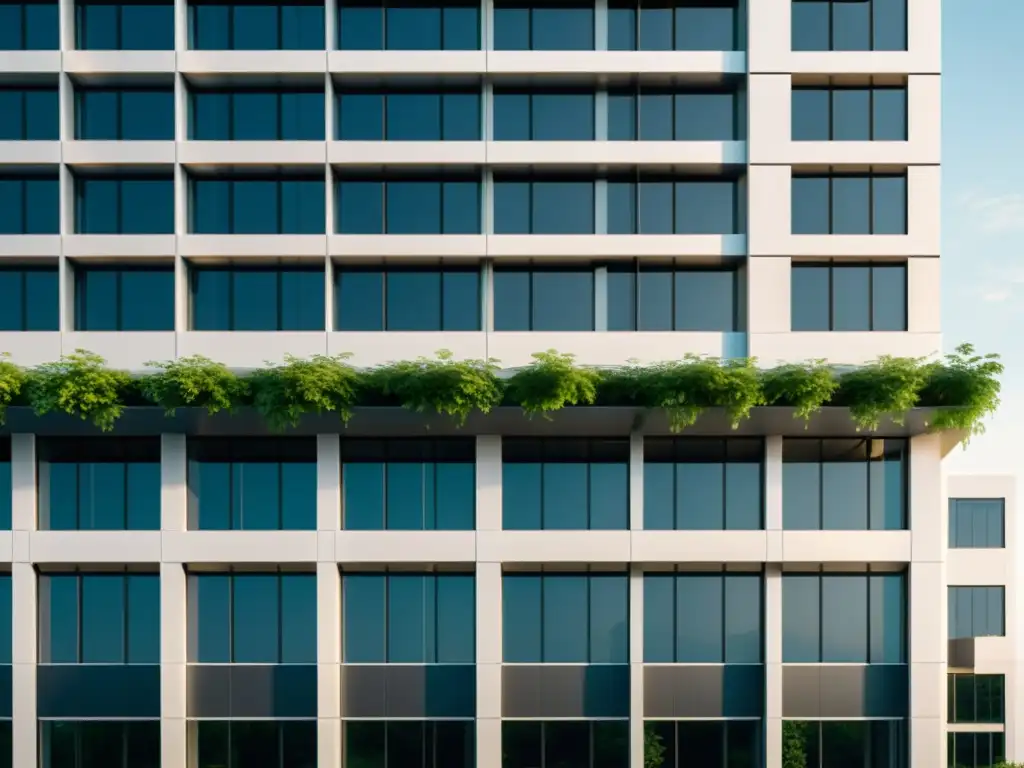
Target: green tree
(794, 744)
(654, 747)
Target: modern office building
(615, 179)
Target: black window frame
(532, 180)
(127, 727)
(232, 181)
(834, 265)
(532, 93)
(635, 91)
(637, 7)
(80, 25)
(871, 27)
(23, 90)
(441, 179)
(532, 270)
(80, 92)
(23, 179)
(995, 739)
(277, 91)
(194, 272)
(957, 593)
(872, 88)
(80, 203)
(674, 271)
(530, 6)
(23, 271)
(23, 23)
(636, 179)
(386, 92)
(280, 5)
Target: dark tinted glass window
(849, 205)
(253, 618)
(30, 299)
(977, 523)
(565, 484)
(257, 115)
(975, 698)
(849, 114)
(977, 612)
(102, 618)
(29, 205)
(99, 484)
(127, 206)
(418, 485)
(565, 26)
(89, 743)
(702, 484)
(124, 114)
(397, 743)
(407, 299)
(671, 300)
(414, 115)
(29, 113)
(665, 206)
(844, 485)
(131, 299)
(975, 750)
(263, 743)
(682, 25)
(844, 618)
(841, 25)
(366, 25)
(101, 25)
(259, 206)
(413, 206)
(409, 618)
(565, 618)
(530, 116)
(664, 115)
(848, 297)
(29, 26)
(730, 629)
(257, 26)
(258, 299)
(543, 300)
(265, 485)
(549, 207)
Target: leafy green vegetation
(963, 387)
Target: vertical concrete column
(24, 598)
(773, 602)
(926, 620)
(173, 483)
(636, 666)
(636, 481)
(488, 664)
(328, 659)
(488, 483)
(328, 600)
(173, 658)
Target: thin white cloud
(997, 296)
(995, 214)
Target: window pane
(565, 619)
(360, 301)
(655, 117)
(707, 27)
(101, 496)
(512, 310)
(809, 298)
(461, 116)
(699, 619)
(360, 208)
(411, 28)
(456, 497)
(742, 624)
(851, 26)
(364, 619)
(609, 620)
(147, 115)
(706, 207)
(255, 606)
(361, 28)
(887, 619)
(213, 612)
(512, 208)
(361, 115)
(562, 29)
(148, 207)
(844, 619)
(889, 114)
(851, 205)
(810, 199)
(143, 619)
(460, 209)
(147, 300)
(705, 117)
(103, 615)
(562, 208)
(654, 300)
(405, 492)
(889, 205)
(810, 26)
(460, 301)
(563, 301)
(522, 621)
(609, 497)
(564, 496)
(801, 619)
(521, 496)
(659, 613)
(655, 212)
(890, 25)
(298, 618)
(622, 117)
(851, 298)
(413, 207)
(413, 116)
(810, 108)
(302, 300)
(851, 114)
(298, 496)
(705, 301)
(363, 507)
(700, 497)
(889, 298)
(414, 301)
(257, 496)
(255, 306)
(655, 28)
(456, 616)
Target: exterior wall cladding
(614, 180)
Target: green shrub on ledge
(964, 387)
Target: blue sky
(983, 208)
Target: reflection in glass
(253, 618)
(976, 523)
(99, 744)
(844, 485)
(819, 627)
(535, 609)
(403, 743)
(977, 612)
(565, 744)
(409, 618)
(976, 698)
(975, 750)
(261, 743)
(257, 299)
(565, 484)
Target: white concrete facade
(765, 244)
